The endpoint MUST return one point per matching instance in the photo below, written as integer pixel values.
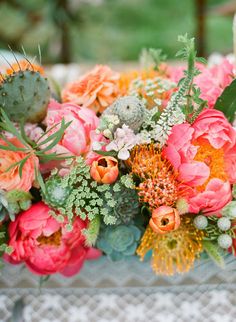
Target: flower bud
(105, 170)
(224, 223)
(164, 219)
(200, 222)
(225, 241)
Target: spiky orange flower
(174, 252)
(159, 184)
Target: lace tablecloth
(126, 291)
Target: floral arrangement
(141, 163)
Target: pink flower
(213, 80)
(181, 152)
(213, 126)
(79, 136)
(44, 244)
(95, 90)
(216, 195)
(204, 157)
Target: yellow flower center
(52, 240)
(213, 158)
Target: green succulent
(125, 207)
(25, 95)
(119, 242)
(12, 202)
(56, 194)
(130, 111)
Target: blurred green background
(107, 30)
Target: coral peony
(216, 195)
(95, 90)
(105, 170)
(45, 245)
(79, 136)
(10, 178)
(213, 126)
(164, 219)
(202, 155)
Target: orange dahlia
(95, 90)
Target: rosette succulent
(130, 111)
(126, 205)
(56, 194)
(119, 242)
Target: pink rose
(80, 135)
(45, 245)
(213, 126)
(216, 195)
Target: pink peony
(213, 126)
(80, 135)
(95, 90)
(44, 244)
(216, 195)
(203, 155)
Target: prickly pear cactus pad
(25, 95)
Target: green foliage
(226, 103)
(123, 205)
(119, 242)
(214, 252)
(12, 202)
(152, 58)
(25, 95)
(3, 241)
(91, 233)
(41, 149)
(180, 105)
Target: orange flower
(24, 65)
(138, 82)
(96, 90)
(9, 171)
(164, 219)
(105, 170)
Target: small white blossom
(124, 140)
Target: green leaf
(56, 137)
(22, 163)
(8, 126)
(226, 103)
(39, 179)
(214, 253)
